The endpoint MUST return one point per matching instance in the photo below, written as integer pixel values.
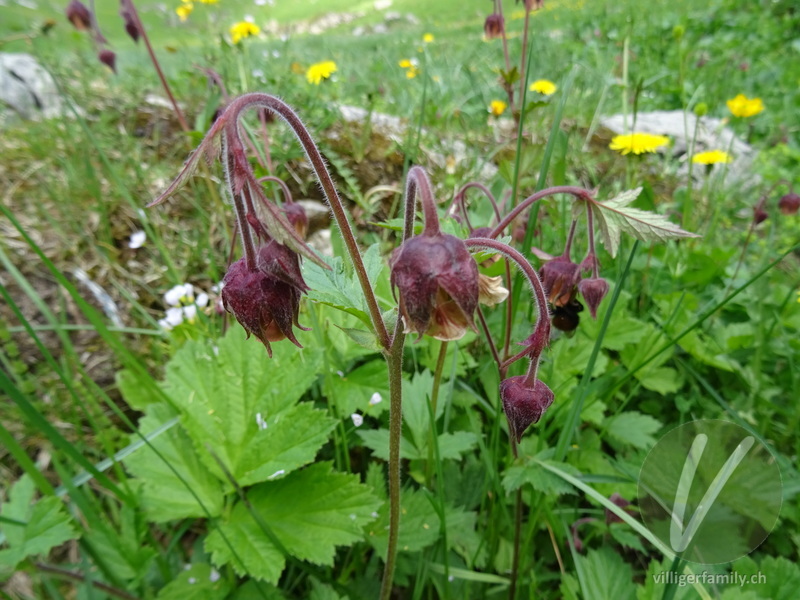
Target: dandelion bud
(559, 278)
(266, 307)
(108, 58)
(522, 404)
(437, 279)
(593, 291)
(759, 214)
(494, 26)
(79, 15)
(789, 204)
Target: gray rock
(27, 88)
(318, 213)
(711, 135)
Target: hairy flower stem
(417, 182)
(590, 226)
(329, 189)
(138, 24)
(394, 361)
(578, 192)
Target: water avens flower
(789, 204)
(497, 107)
(319, 71)
(560, 277)
(79, 15)
(711, 157)
(108, 58)
(638, 143)
(243, 29)
(544, 87)
(742, 106)
(524, 403)
(593, 290)
(494, 26)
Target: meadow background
(114, 487)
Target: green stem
(512, 589)
(394, 360)
(437, 379)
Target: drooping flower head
(79, 15)
(494, 26)
(638, 143)
(789, 203)
(524, 404)
(742, 106)
(437, 280)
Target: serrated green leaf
(615, 216)
(339, 288)
(124, 546)
(137, 396)
(377, 440)
(603, 575)
(541, 479)
(39, 526)
(353, 391)
(624, 536)
(781, 578)
(163, 495)
(241, 405)
(416, 395)
(366, 339)
(453, 445)
(634, 428)
(419, 524)
(323, 591)
(198, 582)
(311, 512)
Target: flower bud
(108, 58)
(130, 23)
(266, 307)
(593, 291)
(79, 15)
(622, 503)
(523, 405)
(559, 278)
(789, 204)
(494, 26)
(438, 283)
(759, 214)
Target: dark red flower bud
(266, 307)
(130, 23)
(494, 26)
(533, 4)
(481, 232)
(79, 15)
(559, 278)
(789, 204)
(296, 215)
(593, 291)
(523, 406)
(759, 214)
(622, 503)
(282, 263)
(438, 283)
(108, 58)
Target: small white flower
(176, 294)
(174, 316)
(202, 300)
(165, 325)
(375, 399)
(214, 576)
(374, 514)
(249, 18)
(358, 420)
(258, 73)
(216, 288)
(192, 580)
(137, 239)
(187, 566)
(190, 312)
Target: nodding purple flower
(789, 204)
(437, 279)
(560, 277)
(108, 58)
(79, 15)
(593, 290)
(264, 305)
(494, 26)
(131, 26)
(524, 405)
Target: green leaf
(164, 496)
(198, 582)
(322, 591)
(419, 524)
(242, 405)
(634, 428)
(781, 578)
(136, 395)
(35, 527)
(339, 288)
(311, 512)
(416, 395)
(377, 440)
(603, 575)
(453, 445)
(615, 216)
(541, 479)
(353, 392)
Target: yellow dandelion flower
(412, 72)
(711, 157)
(184, 10)
(544, 87)
(405, 64)
(208, 1)
(428, 38)
(638, 143)
(497, 107)
(742, 106)
(319, 71)
(243, 29)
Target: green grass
(114, 422)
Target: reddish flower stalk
(578, 192)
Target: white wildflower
(358, 420)
(375, 399)
(190, 312)
(137, 239)
(201, 300)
